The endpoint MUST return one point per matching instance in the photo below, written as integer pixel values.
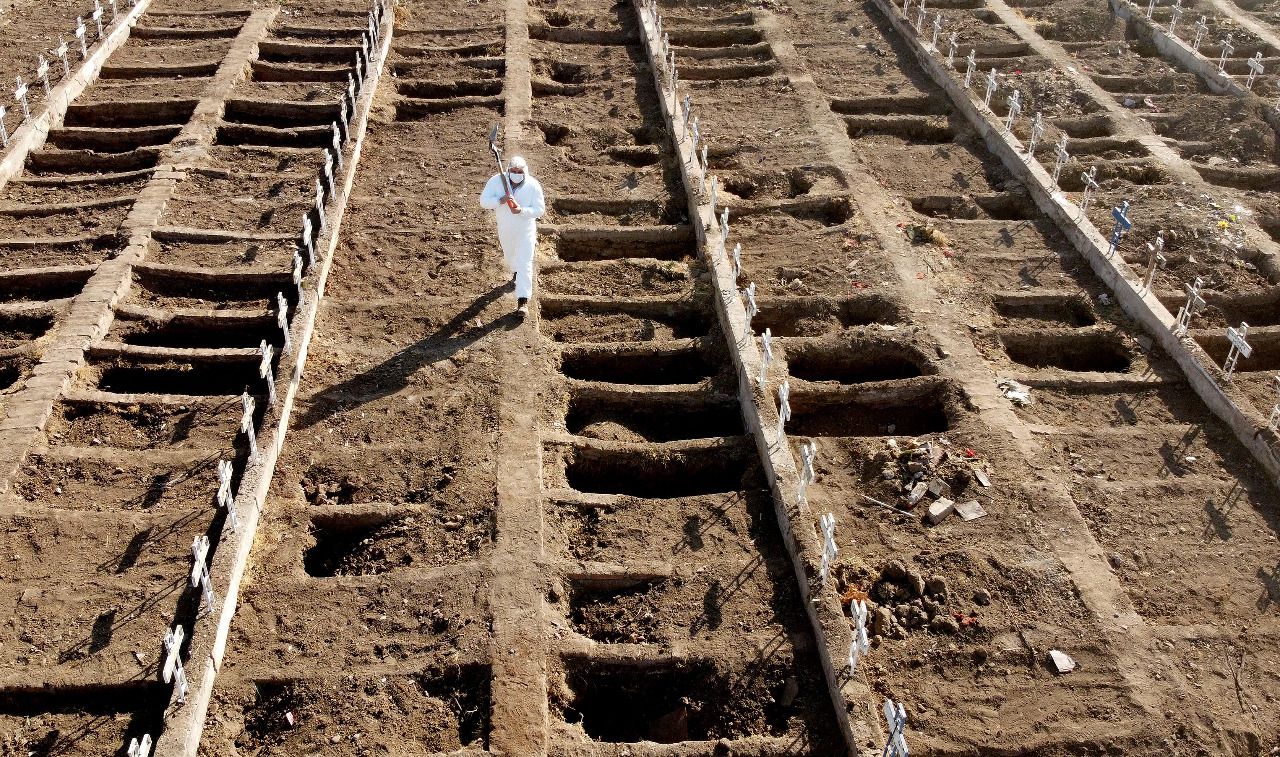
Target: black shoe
(522, 306)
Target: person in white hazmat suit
(518, 215)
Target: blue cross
(1123, 224)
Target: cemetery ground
(577, 533)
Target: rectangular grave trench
(817, 316)
(617, 609)
(659, 242)
(43, 285)
(130, 482)
(1266, 349)
(670, 701)
(912, 408)
(173, 287)
(640, 417)
(129, 114)
(579, 321)
(656, 366)
(90, 719)
(1078, 352)
(862, 360)
(434, 711)
(385, 540)
(192, 330)
(208, 424)
(202, 378)
(1072, 310)
(20, 327)
(658, 473)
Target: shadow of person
(392, 374)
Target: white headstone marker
(752, 307)
(808, 455)
(951, 50)
(82, 32)
(140, 747)
(766, 355)
(972, 66)
(4, 130)
(895, 716)
(42, 73)
(61, 51)
(992, 84)
(97, 16)
(1175, 15)
(921, 13)
(20, 93)
(282, 322)
(1273, 422)
(227, 499)
(1155, 259)
(1090, 179)
(737, 261)
(1227, 50)
(937, 30)
(1015, 109)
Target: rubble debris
(970, 510)
(1017, 393)
(1061, 662)
(940, 510)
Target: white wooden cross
(992, 84)
(4, 130)
(697, 137)
(42, 72)
(1195, 303)
(359, 75)
(921, 12)
(140, 747)
(320, 205)
(330, 182)
(704, 165)
(737, 261)
(1202, 28)
(308, 239)
(937, 30)
(1151, 9)
(1037, 133)
(1240, 347)
(1061, 156)
(1227, 49)
(906, 6)
(808, 455)
(82, 32)
(344, 118)
(114, 10)
(715, 191)
(61, 51)
(859, 645)
(297, 275)
(686, 110)
(1155, 259)
(972, 61)
(766, 355)
(1122, 227)
(173, 672)
(97, 16)
(784, 406)
(1015, 108)
(282, 322)
(951, 50)
(337, 146)
(265, 371)
(724, 223)
(246, 425)
(1273, 422)
(752, 307)
(200, 569)
(896, 716)
(351, 91)
(675, 74)
(226, 499)
(21, 94)
(1255, 70)
(1175, 16)
(1090, 179)
(829, 548)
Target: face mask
(516, 178)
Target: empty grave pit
(192, 330)
(1003, 206)
(657, 242)
(1266, 349)
(204, 424)
(90, 719)
(669, 701)
(617, 609)
(860, 362)
(652, 418)
(783, 184)
(130, 484)
(43, 285)
(653, 367)
(436, 710)
(658, 473)
(1071, 310)
(1077, 352)
(130, 114)
(206, 378)
(911, 408)
(817, 316)
(373, 543)
(166, 286)
(598, 322)
(20, 326)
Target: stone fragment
(940, 510)
(1061, 662)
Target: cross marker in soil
(715, 183)
(686, 108)
(829, 548)
(859, 645)
(1015, 108)
(320, 205)
(61, 51)
(297, 276)
(1202, 28)
(337, 146)
(97, 16)
(1151, 9)
(1176, 16)
(906, 6)
(140, 748)
(675, 75)
(920, 16)
(200, 569)
(1123, 225)
(226, 499)
(265, 371)
(1227, 49)
(1090, 179)
(1255, 70)
(808, 455)
(246, 423)
(766, 355)
(4, 130)
(21, 94)
(327, 171)
(114, 10)
(951, 51)
(1240, 347)
(1195, 303)
(697, 139)
(1037, 133)
(1155, 259)
(784, 407)
(282, 321)
(308, 240)
(1061, 156)
(737, 261)
(173, 672)
(81, 32)
(937, 30)
(1273, 422)
(896, 716)
(724, 223)
(42, 72)
(973, 66)
(752, 308)
(992, 83)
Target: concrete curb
(33, 132)
(1204, 377)
(208, 638)
(831, 628)
(1178, 51)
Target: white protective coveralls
(518, 232)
